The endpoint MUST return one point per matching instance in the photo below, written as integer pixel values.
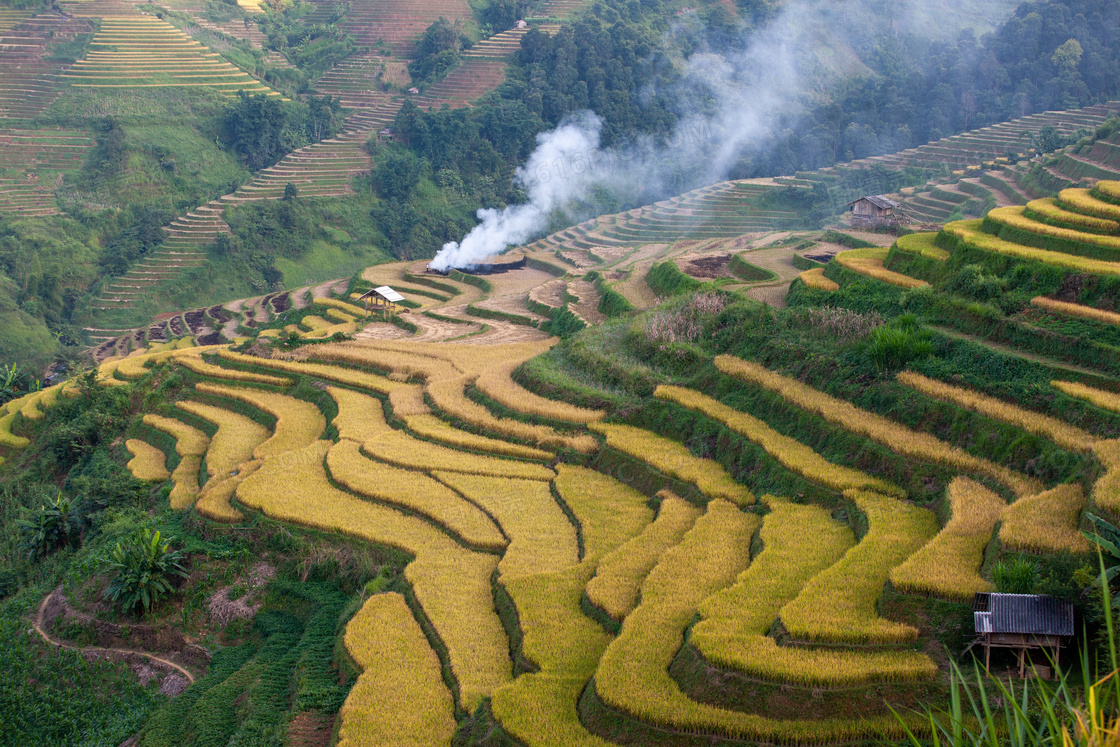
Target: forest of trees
(619, 62)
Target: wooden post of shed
(383, 298)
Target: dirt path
(98, 650)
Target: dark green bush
(144, 568)
(1015, 576)
(666, 279)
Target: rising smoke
(567, 145)
(726, 102)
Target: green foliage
(285, 669)
(611, 302)
(75, 427)
(666, 279)
(58, 697)
(748, 272)
(836, 237)
(437, 52)
(144, 568)
(892, 347)
(14, 382)
(1017, 575)
(313, 48)
(52, 525)
(563, 323)
(1106, 536)
(259, 130)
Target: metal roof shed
(1021, 622)
(382, 297)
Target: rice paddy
(838, 605)
(400, 697)
(949, 566)
(1047, 522)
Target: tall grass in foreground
(991, 713)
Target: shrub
(56, 523)
(891, 348)
(1015, 576)
(144, 567)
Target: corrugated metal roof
(982, 621)
(879, 201)
(388, 294)
(1030, 614)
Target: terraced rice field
(323, 170)
(602, 569)
(30, 81)
(32, 162)
(722, 210)
(142, 51)
(383, 24)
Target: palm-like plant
(1106, 536)
(145, 567)
(52, 525)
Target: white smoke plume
(557, 150)
(727, 104)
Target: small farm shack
(381, 298)
(1021, 622)
(874, 212)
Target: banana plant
(1106, 536)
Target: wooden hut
(874, 212)
(381, 299)
(1021, 622)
